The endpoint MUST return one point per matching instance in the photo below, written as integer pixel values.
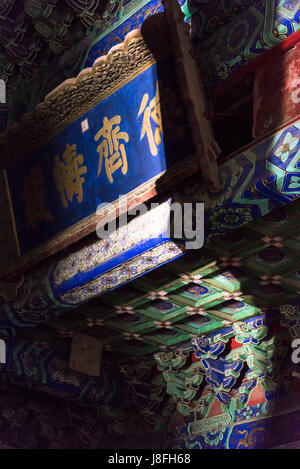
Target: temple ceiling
(169, 312)
(36, 60)
(32, 33)
(244, 274)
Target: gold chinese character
(110, 149)
(33, 198)
(152, 111)
(68, 175)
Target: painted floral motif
(190, 278)
(229, 218)
(287, 147)
(163, 325)
(109, 280)
(213, 438)
(274, 279)
(238, 42)
(249, 412)
(147, 226)
(228, 261)
(290, 4)
(105, 282)
(232, 296)
(272, 241)
(161, 295)
(197, 290)
(130, 336)
(35, 303)
(191, 311)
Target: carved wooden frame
(123, 62)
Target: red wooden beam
(254, 64)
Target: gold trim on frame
(75, 96)
(108, 74)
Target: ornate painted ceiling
(34, 32)
(246, 273)
(203, 308)
(43, 43)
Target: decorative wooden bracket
(207, 149)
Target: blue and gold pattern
(111, 150)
